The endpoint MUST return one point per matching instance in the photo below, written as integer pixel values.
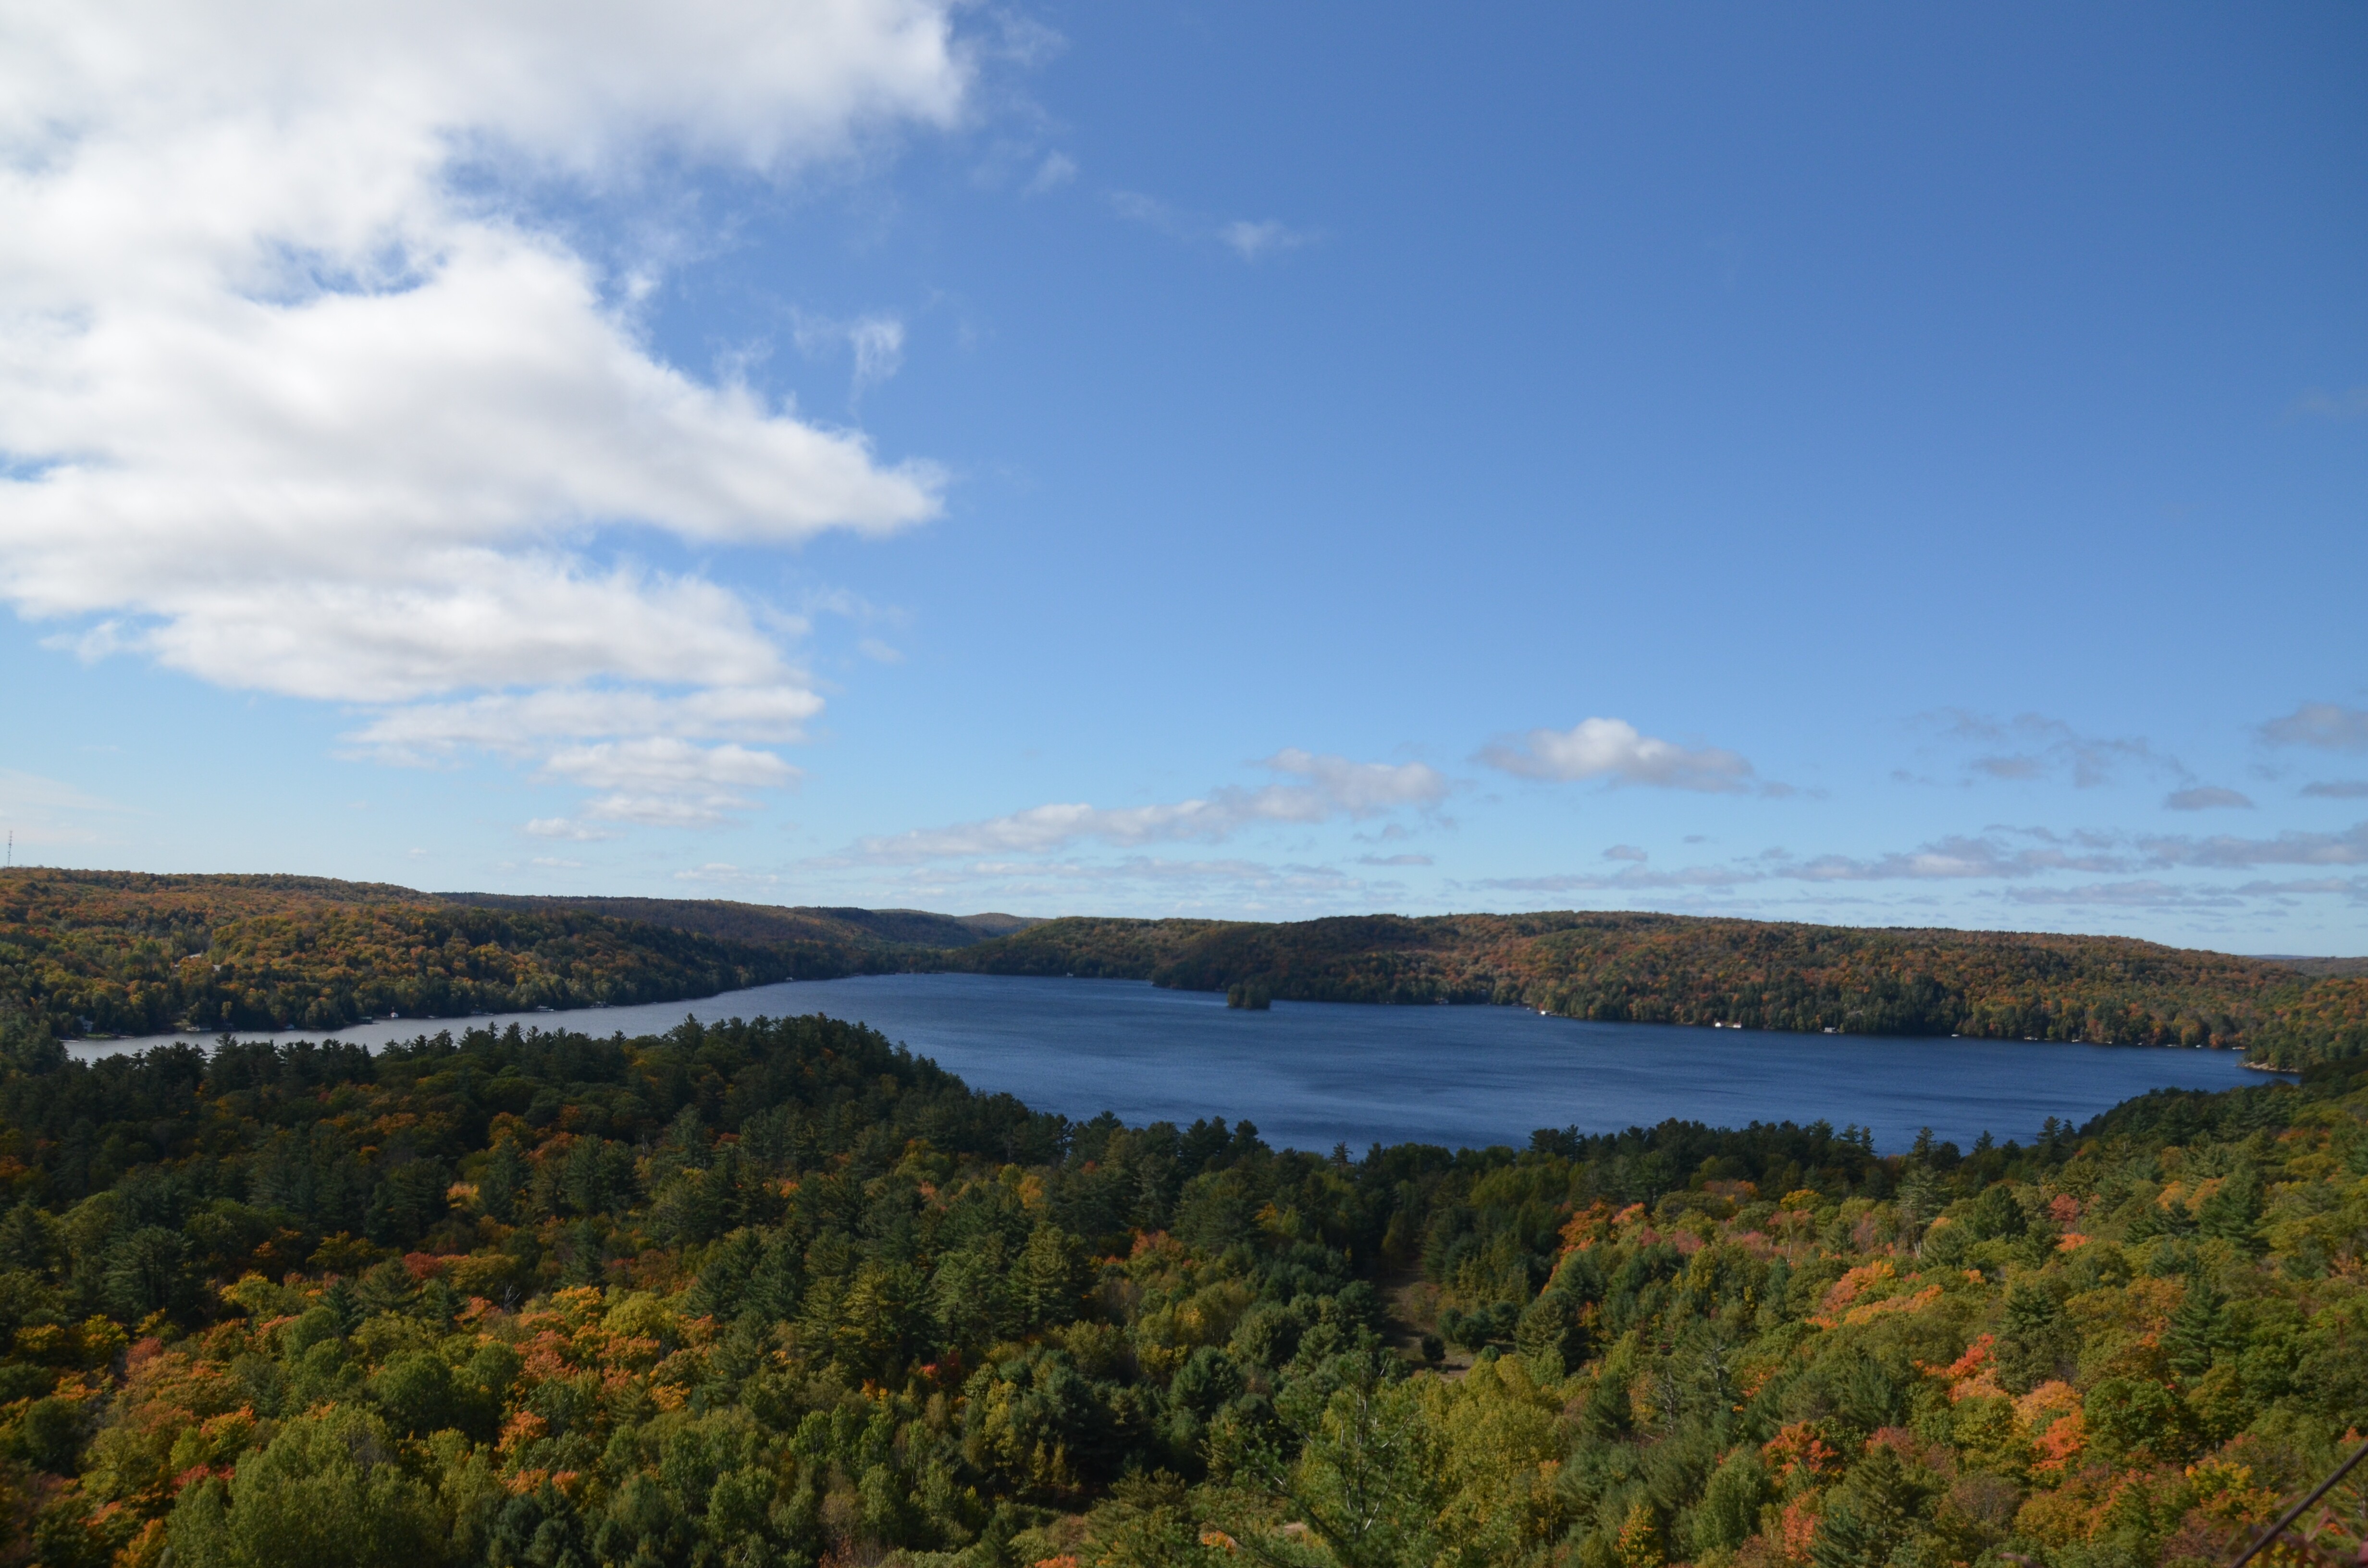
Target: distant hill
(1685, 970)
(122, 953)
(115, 953)
(772, 923)
(2317, 966)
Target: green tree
(328, 1491)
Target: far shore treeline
(118, 953)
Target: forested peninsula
(781, 1293)
(121, 953)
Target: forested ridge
(1689, 970)
(121, 953)
(118, 953)
(784, 1293)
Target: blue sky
(1864, 465)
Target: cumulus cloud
(1321, 788)
(2205, 798)
(2324, 724)
(298, 395)
(1614, 750)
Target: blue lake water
(1314, 1074)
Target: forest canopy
(781, 1292)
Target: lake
(1312, 1074)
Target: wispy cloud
(2033, 747)
(2021, 856)
(2326, 725)
(2338, 789)
(876, 342)
(2206, 798)
(2156, 894)
(1251, 241)
(2353, 405)
(1322, 788)
(2288, 848)
(722, 873)
(1057, 170)
(1613, 749)
(568, 829)
(43, 811)
(523, 723)
(665, 782)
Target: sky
(1867, 464)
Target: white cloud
(1246, 239)
(2205, 798)
(662, 782)
(1250, 240)
(1057, 170)
(2325, 724)
(1613, 749)
(1148, 211)
(561, 828)
(876, 341)
(42, 811)
(724, 873)
(2047, 748)
(2288, 848)
(2145, 894)
(524, 722)
(1326, 788)
(285, 406)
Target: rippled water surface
(1312, 1074)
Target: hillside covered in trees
(1687, 969)
(117, 953)
(782, 1293)
(120, 953)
